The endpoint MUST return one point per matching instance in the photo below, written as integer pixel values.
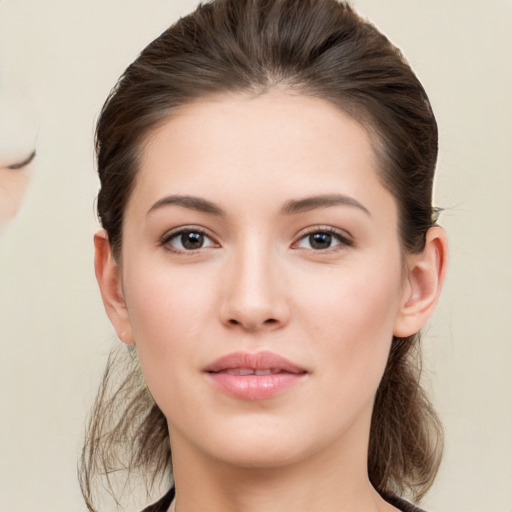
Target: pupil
(192, 240)
(320, 240)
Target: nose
(254, 292)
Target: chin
(262, 443)
(260, 455)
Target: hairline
(356, 110)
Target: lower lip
(255, 387)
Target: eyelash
(343, 240)
(176, 234)
(24, 163)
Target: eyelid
(345, 238)
(164, 241)
(24, 163)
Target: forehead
(275, 144)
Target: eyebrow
(322, 201)
(290, 208)
(190, 202)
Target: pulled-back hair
(319, 48)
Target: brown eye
(320, 240)
(191, 240)
(187, 240)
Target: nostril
(268, 321)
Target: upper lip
(255, 361)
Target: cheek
(13, 184)
(168, 311)
(353, 317)
(360, 298)
(158, 299)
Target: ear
(426, 272)
(108, 275)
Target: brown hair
(320, 48)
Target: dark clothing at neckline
(163, 504)
(403, 505)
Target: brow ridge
(190, 202)
(322, 201)
(291, 207)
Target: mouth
(258, 376)
(250, 371)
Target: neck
(334, 479)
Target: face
(18, 128)
(262, 278)
(13, 184)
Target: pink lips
(254, 376)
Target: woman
(269, 252)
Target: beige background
(54, 335)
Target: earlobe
(108, 275)
(426, 273)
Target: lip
(232, 374)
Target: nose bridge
(254, 296)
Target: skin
(257, 284)
(18, 132)
(13, 184)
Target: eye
(24, 163)
(322, 240)
(187, 240)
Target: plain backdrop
(54, 334)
